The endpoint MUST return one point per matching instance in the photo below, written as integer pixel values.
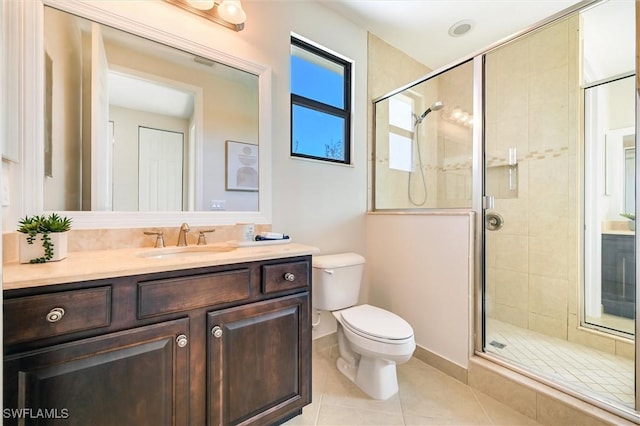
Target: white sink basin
(174, 252)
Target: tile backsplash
(106, 239)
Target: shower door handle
(493, 221)
(488, 202)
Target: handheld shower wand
(435, 107)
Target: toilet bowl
(371, 340)
(369, 354)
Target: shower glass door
(547, 208)
(423, 143)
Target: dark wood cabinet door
(134, 377)
(619, 275)
(259, 361)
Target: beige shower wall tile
(549, 216)
(517, 396)
(548, 256)
(490, 131)
(548, 296)
(515, 212)
(551, 411)
(573, 294)
(512, 252)
(511, 59)
(548, 48)
(589, 338)
(548, 176)
(512, 123)
(511, 315)
(490, 291)
(512, 288)
(548, 131)
(555, 327)
(549, 90)
(625, 349)
(490, 249)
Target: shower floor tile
(593, 372)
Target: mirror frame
(33, 113)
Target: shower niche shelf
(502, 181)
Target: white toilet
(371, 340)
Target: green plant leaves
(42, 224)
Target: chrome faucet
(182, 236)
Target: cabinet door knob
(55, 314)
(216, 331)
(289, 276)
(182, 340)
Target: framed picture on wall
(241, 161)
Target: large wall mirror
(145, 125)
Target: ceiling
(420, 28)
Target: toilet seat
(376, 324)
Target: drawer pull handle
(216, 331)
(289, 276)
(55, 314)
(182, 341)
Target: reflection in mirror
(135, 125)
(609, 204)
(630, 175)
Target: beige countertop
(618, 232)
(617, 227)
(97, 264)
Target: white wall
(319, 204)
(126, 149)
(316, 203)
(420, 267)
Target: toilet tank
(336, 280)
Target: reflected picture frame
(241, 166)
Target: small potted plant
(632, 220)
(44, 238)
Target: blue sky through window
(320, 101)
(316, 82)
(314, 133)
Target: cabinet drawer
(159, 297)
(285, 276)
(37, 317)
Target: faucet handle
(202, 240)
(159, 238)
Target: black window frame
(343, 113)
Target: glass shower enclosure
(537, 136)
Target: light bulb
(231, 11)
(201, 4)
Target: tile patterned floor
(587, 370)
(426, 397)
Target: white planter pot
(35, 250)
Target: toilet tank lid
(337, 260)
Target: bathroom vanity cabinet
(618, 275)
(215, 345)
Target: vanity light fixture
(228, 13)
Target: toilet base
(375, 377)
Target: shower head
(435, 107)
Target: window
(401, 132)
(320, 104)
